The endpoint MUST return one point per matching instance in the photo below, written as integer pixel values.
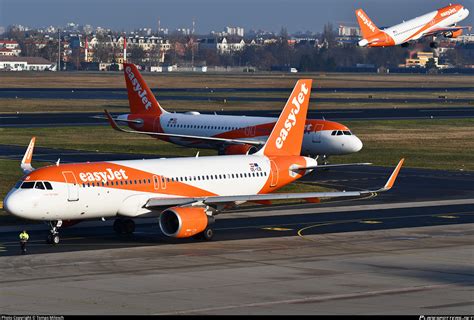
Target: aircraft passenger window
(333, 133)
(27, 185)
(253, 174)
(339, 133)
(39, 185)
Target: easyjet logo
(366, 21)
(138, 88)
(291, 120)
(104, 176)
(449, 12)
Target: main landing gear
(433, 45)
(124, 226)
(53, 236)
(208, 233)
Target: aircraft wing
(184, 136)
(322, 166)
(216, 200)
(120, 120)
(437, 31)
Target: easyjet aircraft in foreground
(440, 22)
(185, 193)
(227, 134)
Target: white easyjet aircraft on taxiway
(184, 193)
(439, 22)
(226, 133)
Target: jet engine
(453, 34)
(183, 222)
(239, 149)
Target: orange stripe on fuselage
(263, 130)
(111, 175)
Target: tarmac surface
(51, 119)
(423, 271)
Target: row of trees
(324, 55)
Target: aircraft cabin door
(72, 186)
(273, 174)
(316, 134)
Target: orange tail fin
(140, 97)
(287, 135)
(367, 27)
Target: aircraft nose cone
(13, 204)
(356, 144)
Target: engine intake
(183, 222)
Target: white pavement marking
(316, 299)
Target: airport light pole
(59, 50)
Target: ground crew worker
(23, 240)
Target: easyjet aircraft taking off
(227, 134)
(440, 22)
(185, 193)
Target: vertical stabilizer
(287, 134)
(367, 27)
(140, 97)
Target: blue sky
(271, 15)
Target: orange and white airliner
(185, 193)
(440, 22)
(227, 134)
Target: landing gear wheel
(128, 226)
(55, 239)
(208, 234)
(118, 225)
(52, 239)
(124, 226)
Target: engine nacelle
(453, 34)
(183, 222)
(239, 149)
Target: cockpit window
(339, 133)
(28, 185)
(48, 185)
(39, 185)
(347, 133)
(333, 133)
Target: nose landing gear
(53, 236)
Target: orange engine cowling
(239, 149)
(453, 34)
(183, 222)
